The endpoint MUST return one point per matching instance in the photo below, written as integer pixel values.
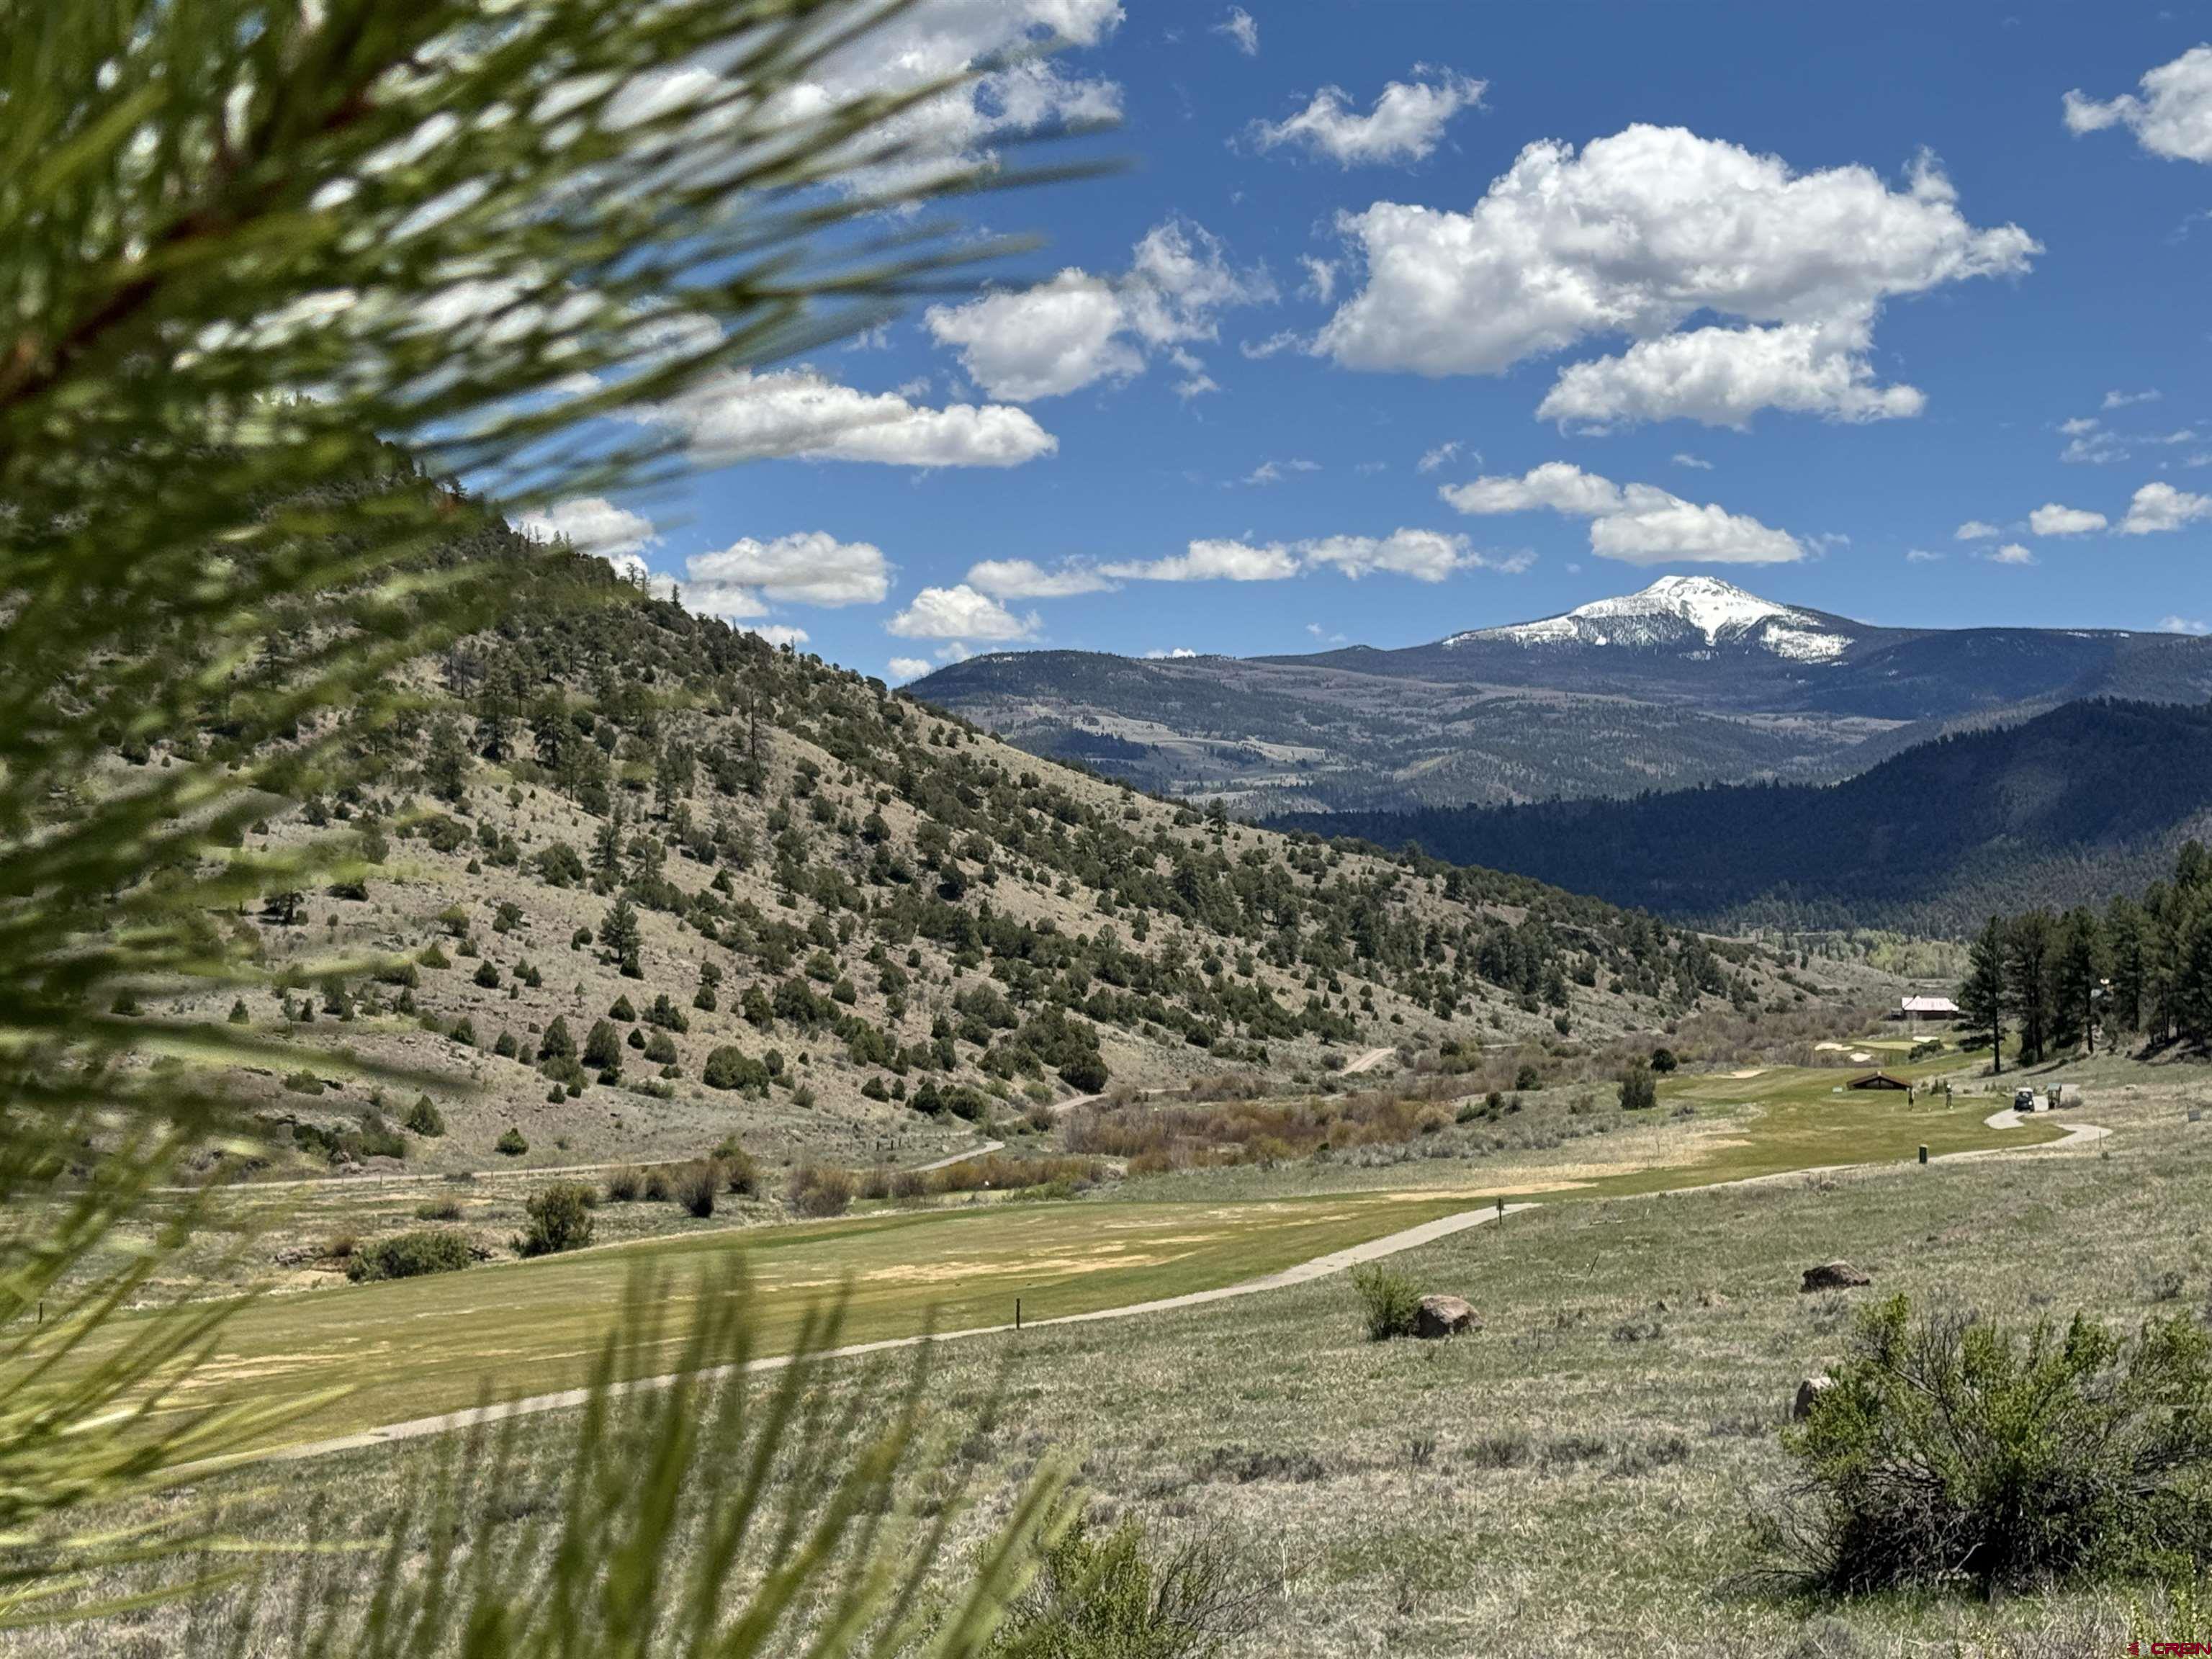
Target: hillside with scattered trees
(632, 882)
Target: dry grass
(1575, 1477)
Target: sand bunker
(939, 1272)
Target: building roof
(1878, 1080)
(1929, 1005)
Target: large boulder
(1833, 1276)
(1445, 1316)
(1808, 1391)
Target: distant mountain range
(2073, 806)
(1691, 680)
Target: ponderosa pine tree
(274, 274)
(2076, 978)
(1982, 1000)
(2029, 947)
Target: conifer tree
(277, 278)
(1982, 998)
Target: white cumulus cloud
(1725, 376)
(1635, 235)
(958, 612)
(1405, 123)
(1976, 530)
(1243, 28)
(2052, 520)
(2160, 506)
(808, 568)
(1025, 578)
(2172, 116)
(1078, 329)
(909, 668)
(2010, 553)
(1217, 560)
(591, 524)
(743, 416)
(1427, 556)
(1635, 523)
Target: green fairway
(415, 1347)
(420, 1346)
(1776, 1119)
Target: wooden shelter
(1880, 1081)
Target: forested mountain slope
(655, 882)
(2074, 806)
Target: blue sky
(1900, 317)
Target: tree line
(2139, 969)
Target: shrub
(304, 1082)
(820, 1189)
(601, 1047)
(731, 1068)
(487, 975)
(424, 1118)
(1122, 1596)
(1951, 1451)
(556, 1044)
(1085, 1074)
(622, 1010)
(411, 1255)
(1526, 1079)
(697, 1185)
(1388, 1300)
(1638, 1091)
(624, 1185)
(239, 1013)
(512, 1144)
(1663, 1060)
(437, 1209)
(659, 1049)
(741, 1171)
(656, 1184)
(560, 1219)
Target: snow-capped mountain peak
(1671, 609)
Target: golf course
(361, 1356)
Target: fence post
(1018, 1312)
(1924, 1154)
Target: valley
(684, 976)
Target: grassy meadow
(1576, 1476)
(409, 1348)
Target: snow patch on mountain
(1672, 608)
